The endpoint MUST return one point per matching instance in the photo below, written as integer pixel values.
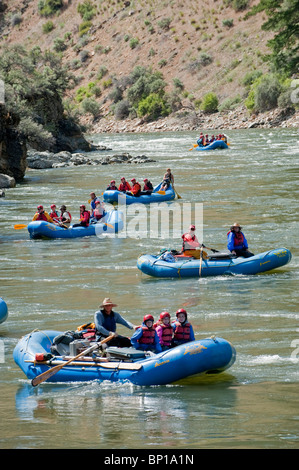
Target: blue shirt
(138, 334)
(107, 323)
(231, 242)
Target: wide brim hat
(106, 302)
(236, 225)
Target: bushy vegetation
(87, 10)
(283, 19)
(209, 103)
(269, 91)
(34, 85)
(264, 93)
(49, 7)
(153, 106)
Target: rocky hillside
(206, 45)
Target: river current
(59, 284)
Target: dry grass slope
(205, 44)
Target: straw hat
(107, 301)
(236, 225)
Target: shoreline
(180, 121)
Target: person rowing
(191, 243)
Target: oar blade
(49, 373)
(19, 226)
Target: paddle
(211, 249)
(200, 262)
(49, 373)
(178, 196)
(194, 146)
(160, 192)
(19, 226)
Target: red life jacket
(148, 188)
(148, 335)
(167, 332)
(85, 217)
(189, 243)
(54, 215)
(124, 187)
(42, 217)
(182, 332)
(238, 238)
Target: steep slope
(205, 44)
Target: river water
(59, 284)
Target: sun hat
(236, 225)
(107, 301)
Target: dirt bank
(191, 121)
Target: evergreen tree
(283, 19)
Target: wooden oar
(49, 373)
(211, 249)
(200, 262)
(178, 196)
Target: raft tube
(214, 266)
(217, 144)
(3, 310)
(112, 222)
(206, 356)
(155, 196)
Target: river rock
(6, 181)
(42, 160)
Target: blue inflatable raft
(207, 356)
(217, 144)
(157, 195)
(216, 265)
(3, 310)
(112, 222)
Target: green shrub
(134, 43)
(84, 27)
(49, 7)
(122, 110)
(48, 26)
(153, 106)
(164, 23)
(87, 10)
(229, 23)
(209, 103)
(162, 63)
(250, 77)
(144, 82)
(91, 106)
(239, 5)
(229, 104)
(34, 132)
(264, 93)
(16, 19)
(177, 83)
(102, 72)
(59, 45)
